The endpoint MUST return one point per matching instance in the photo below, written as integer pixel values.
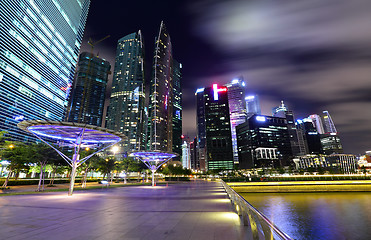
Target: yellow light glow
(87, 149)
(11, 146)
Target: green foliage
(18, 154)
(175, 170)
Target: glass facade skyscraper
(39, 46)
(219, 151)
(252, 105)
(126, 110)
(237, 109)
(88, 92)
(161, 94)
(177, 107)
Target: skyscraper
(328, 124)
(237, 109)
(36, 85)
(126, 110)
(279, 111)
(310, 135)
(201, 129)
(219, 151)
(252, 105)
(177, 107)
(263, 141)
(161, 94)
(86, 103)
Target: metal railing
(259, 225)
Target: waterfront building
(126, 109)
(313, 140)
(86, 102)
(39, 46)
(161, 94)
(219, 153)
(237, 110)
(344, 163)
(330, 143)
(263, 141)
(252, 105)
(177, 107)
(195, 163)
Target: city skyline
(315, 67)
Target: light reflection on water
(317, 215)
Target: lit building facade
(86, 103)
(311, 136)
(219, 151)
(331, 143)
(201, 129)
(263, 141)
(237, 110)
(177, 107)
(126, 110)
(161, 94)
(342, 163)
(36, 85)
(186, 155)
(252, 105)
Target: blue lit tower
(161, 94)
(252, 105)
(39, 46)
(237, 109)
(219, 151)
(177, 107)
(86, 103)
(126, 110)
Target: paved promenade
(195, 210)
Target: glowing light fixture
(260, 118)
(249, 97)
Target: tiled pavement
(195, 210)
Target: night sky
(315, 55)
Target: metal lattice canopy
(69, 132)
(153, 159)
(74, 135)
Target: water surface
(317, 215)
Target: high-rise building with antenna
(161, 94)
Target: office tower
(311, 135)
(263, 141)
(86, 102)
(126, 109)
(201, 128)
(237, 110)
(177, 107)
(279, 111)
(331, 144)
(328, 124)
(195, 163)
(317, 122)
(252, 105)
(161, 94)
(39, 46)
(219, 153)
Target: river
(317, 215)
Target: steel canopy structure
(153, 160)
(73, 135)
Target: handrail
(261, 227)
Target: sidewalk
(32, 188)
(184, 211)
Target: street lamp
(11, 146)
